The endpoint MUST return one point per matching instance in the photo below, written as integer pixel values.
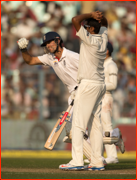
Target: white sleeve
(112, 84)
(44, 59)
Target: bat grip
(72, 103)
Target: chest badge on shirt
(55, 63)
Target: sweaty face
(51, 46)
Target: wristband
(23, 50)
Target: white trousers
(107, 104)
(87, 113)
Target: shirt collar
(64, 53)
(102, 30)
(62, 56)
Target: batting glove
(23, 43)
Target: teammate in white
(111, 71)
(87, 106)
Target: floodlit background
(32, 97)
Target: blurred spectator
(129, 107)
(33, 113)
(32, 19)
(5, 105)
(52, 86)
(131, 81)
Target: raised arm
(31, 60)
(77, 20)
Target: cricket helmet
(50, 36)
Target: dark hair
(94, 23)
(110, 48)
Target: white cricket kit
(66, 68)
(93, 48)
(111, 71)
(87, 106)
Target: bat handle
(73, 99)
(72, 102)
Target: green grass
(53, 164)
(63, 176)
(32, 163)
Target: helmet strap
(57, 49)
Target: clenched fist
(23, 43)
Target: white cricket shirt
(92, 55)
(66, 68)
(111, 71)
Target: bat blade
(58, 128)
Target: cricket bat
(58, 128)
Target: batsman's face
(51, 46)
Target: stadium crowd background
(20, 83)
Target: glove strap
(23, 50)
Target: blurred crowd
(24, 88)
